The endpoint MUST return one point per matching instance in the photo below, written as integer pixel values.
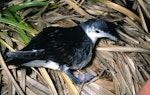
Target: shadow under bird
(62, 49)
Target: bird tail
(21, 57)
(13, 59)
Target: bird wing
(60, 44)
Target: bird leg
(81, 77)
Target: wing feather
(34, 54)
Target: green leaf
(26, 5)
(19, 25)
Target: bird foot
(85, 77)
(80, 78)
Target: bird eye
(97, 31)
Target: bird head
(97, 28)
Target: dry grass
(122, 68)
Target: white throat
(91, 34)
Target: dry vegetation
(122, 68)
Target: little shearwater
(62, 49)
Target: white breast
(43, 63)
